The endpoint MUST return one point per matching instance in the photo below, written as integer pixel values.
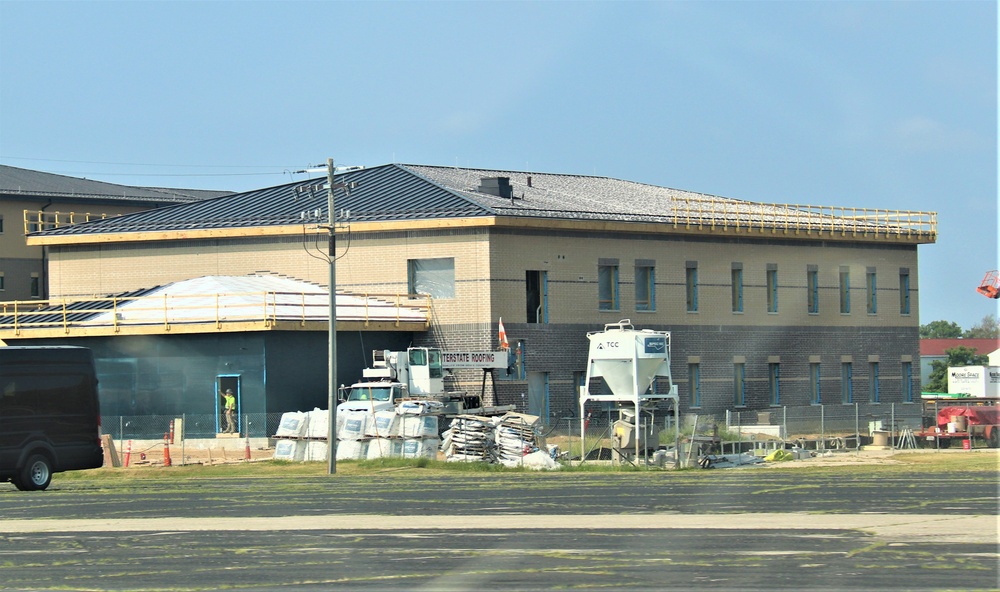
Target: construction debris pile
(512, 439)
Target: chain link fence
(190, 426)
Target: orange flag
(503, 336)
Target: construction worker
(230, 406)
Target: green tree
(940, 330)
(957, 356)
(988, 328)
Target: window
(739, 384)
(873, 382)
(607, 284)
(907, 382)
(812, 289)
(1, 282)
(814, 391)
(645, 285)
(432, 277)
(1, 223)
(846, 392)
(694, 383)
(845, 291)
(536, 287)
(737, 287)
(904, 291)
(772, 287)
(691, 285)
(774, 382)
(35, 287)
(870, 288)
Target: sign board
(977, 381)
(471, 359)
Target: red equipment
(990, 286)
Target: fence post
(857, 430)
(892, 426)
(822, 428)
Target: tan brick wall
(571, 263)
(378, 264)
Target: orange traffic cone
(246, 453)
(128, 453)
(166, 450)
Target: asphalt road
(723, 530)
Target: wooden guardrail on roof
(201, 313)
(715, 213)
(38, 220)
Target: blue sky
(868, 104)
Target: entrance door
(538, 395)
(224, 382)
(536, 296)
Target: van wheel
(995, 437)
(36, 474)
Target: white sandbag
(289, 450)
(318, 424)
(355, 425)
(352, 449)
(293, 425)
(420, 447)
(417, 407)
(383, 425)
(315, 450)
(384, 448)
(418, 426)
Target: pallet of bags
(353, 425)
(418, 426)
(293, 425)
(469, 438)
(384, 448)
(421, 447)
(419, 407)
(318, 423)
(517, 435)
(293, 450)
(316, 450)
(383, 424)
(352, 449)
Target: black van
(50, 417)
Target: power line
(188, 166)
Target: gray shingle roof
(398, 192)
(24, 183)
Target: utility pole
(331, 437)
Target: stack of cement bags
(512, 440)
(386, 434)
(469, 438)
(302, 436)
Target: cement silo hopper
(629, 361)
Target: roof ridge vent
(498, 186)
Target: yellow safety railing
(38, 220)
(716, 213)
(212, 310)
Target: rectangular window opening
(432, 277)
(737, 283)
(691, 288)
(645, 287)
(772, 289)
(607, 286)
